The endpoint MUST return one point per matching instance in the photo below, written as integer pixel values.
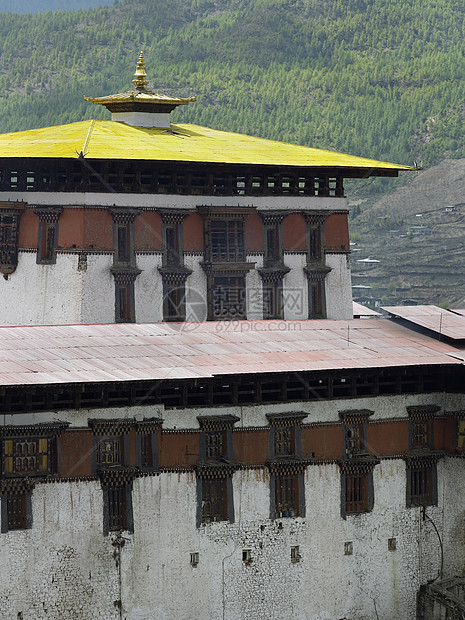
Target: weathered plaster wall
(42, 294)
(98, 290)
(338, 287)
(196, 289)
(295, 287)
(148, 289)
(65, 567)
(325, 411)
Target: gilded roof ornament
(140, 80)
(139, 99)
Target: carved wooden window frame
(47, 242)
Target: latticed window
(286, 496)
(461, 435)
(146, 450)
(316, 299)
(229, 300)
(123, 243)
(7, 239)
(109, 451)
(26, 456)
(48, 241)
(356, 495)
(16, 512)
(124, 303)
(116, 508)
(227, 240)
(173, 252)
(419, 433)
(315, 248)
(273, 252)
(354, 443)
(214, 500)
(284, 441)
(215, 444)
(420, 483)
(9, 229)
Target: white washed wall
(64, 567)
(98, 290)
(338, 287)
(148, 289)
(42, 294)
(295, 287)
(325, 411)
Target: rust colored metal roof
(95, 353)
(457, 311)
(361, 310)
(439, 321)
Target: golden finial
(140, 76)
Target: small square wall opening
(295, 554)
(348, 548)
(392, 544)
(247, 556)
(194, 559)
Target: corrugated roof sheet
(436, 319)
(192, 143)
(361, 310)
(92, 353)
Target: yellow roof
(184, 142)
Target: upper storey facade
(139, 219)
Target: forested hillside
(382, 78)
(40, 6)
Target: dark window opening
(146, 450)
(124, 303)
(172, 246)
(273, 244)
(9, 240)
(356, 493)
(316, 301)
(117, 508)
(16, 512)
(315, 249)
(174, 303)
(48, 237)
(220, 185)
(461, 435)
(286, 496)
(421, 485)
(122, 242)
(214, 500)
